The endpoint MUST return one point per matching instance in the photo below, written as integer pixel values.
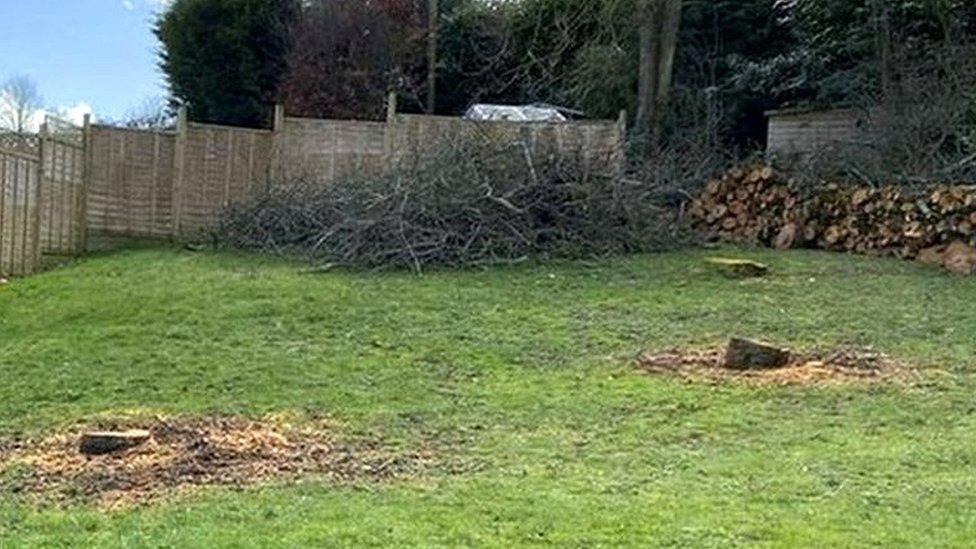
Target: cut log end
(738, 268)
(754, 205)
(960, 258)
(107, 442)
(787, 237)
(744, 354)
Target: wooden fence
(595, 144)
(131, 182)
(215, 167)
(42, 196)
(63, 188)
(174, 184)
(67, 182)
(19, 205)
(324, 151)
(806, 132)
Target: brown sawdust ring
(841, 366)
(185, 454)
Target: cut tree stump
(738, 268)
(108, 442)
(743, 354)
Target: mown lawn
(522, 379)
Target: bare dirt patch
(185, 454)
(845, 366)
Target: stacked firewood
(756, 205)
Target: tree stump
(107, 442)
(743, 354)
(738, 268)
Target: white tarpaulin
(514, 113)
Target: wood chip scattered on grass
(844, 366)
(222, 451)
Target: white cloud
(133, 5)
(10, 108)
(74, 114)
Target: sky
(84, 55)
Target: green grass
(522, 379)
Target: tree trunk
(648, 68)
(432, 36)
(660, 22)
(883, 27)
(670, 25)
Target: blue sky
(95, 53)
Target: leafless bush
(477, 201)
(687, 159)
(918, 130)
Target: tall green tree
(844, 50)
(476, 60)
(717, 38)
(223, 59)
(585, 54)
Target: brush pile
(471, 203)
(755, 205)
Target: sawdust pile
(845, 366)
(224, 451)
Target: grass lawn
(522, 379)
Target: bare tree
(153, 113)
(19, 102)
(660, 21)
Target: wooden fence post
(86, 176)
(390, 142)
(621, 144)
(35, 219)
(179, 170)
(278, 169)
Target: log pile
(756, 205)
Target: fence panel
(325, 151)
(598, 144)
(220, 165)
(166, 184)
(63, 188)
(20, 174)
(807, 132)
(131, 182)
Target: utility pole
(432, 36)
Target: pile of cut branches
(475, 202)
